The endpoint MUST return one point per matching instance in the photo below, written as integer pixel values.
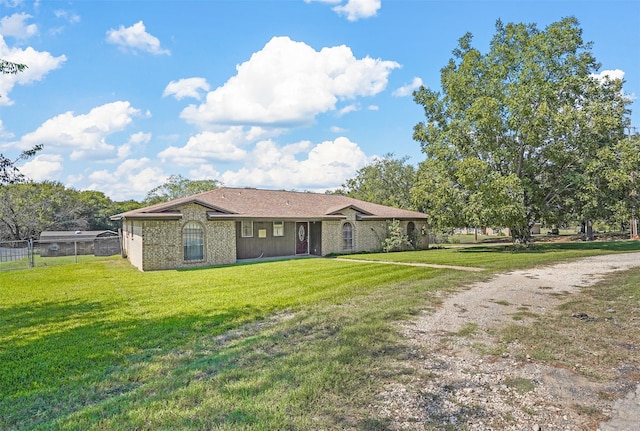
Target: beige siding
(132, 242)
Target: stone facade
(367, 234)
(157, 244)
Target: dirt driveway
(453, 386)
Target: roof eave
(148, 216)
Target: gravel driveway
(453, 386)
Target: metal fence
(32, 253)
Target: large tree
(176, 187)
(512, 132)
(386, 181)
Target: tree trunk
(588, 231)
(521, 234)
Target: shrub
(395, 239)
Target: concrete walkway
(426, 265)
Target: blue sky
(293, 94)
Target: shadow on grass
(191, 371)
(61, 359)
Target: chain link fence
(34, 253)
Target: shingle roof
(260, 203)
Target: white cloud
(289, 82)
(347, 109)
(615, 74)
(125, 150)
(15, 26)
(132, 178)
(407, 89)
(326, 166)
(354, 9)
(43, 167)
(207, 146)
(336, 129)
(357, 9)
(140, 138)
(189, 87)
(204, 172)
(71, 17)
(85, 134)
(610, 74)
(373, 108)
(135, 39)
(3, 133)
(39, 64)
(13, 3)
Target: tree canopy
(9, 173)
(178, 186)
(28, 208)
(386, 181)
(512, 135)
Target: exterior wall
(269, 246)
(315, 238)
(132, 242)
(421, 233)
(368, 235)
(157, 244)
(331, 237)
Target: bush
(395, 239)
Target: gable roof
(237, 203)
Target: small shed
(71, 243)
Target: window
(278, 228)
(347, 236)
(193, 241)
(247, 228)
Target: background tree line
(28, 208)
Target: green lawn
(298, 344)
(504, 256)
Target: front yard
(299, 344)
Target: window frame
(278, 228)
(348, 240)
(192, 238)
(243, 228)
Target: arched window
(193, 241)
(411, 233)
(347, 236)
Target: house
(225, 225)
(73, 243)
